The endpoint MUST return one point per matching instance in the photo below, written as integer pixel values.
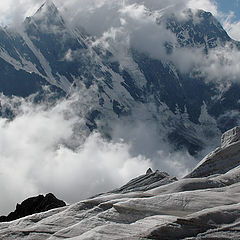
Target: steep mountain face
(203, 205)
(17, 77)
(188, 110)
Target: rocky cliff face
(152, 206)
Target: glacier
(152, 206)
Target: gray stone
(221, 160)
(231, 136)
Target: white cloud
(41, 151)
(220, 65)
(14, 12)
(223, 64)
(186, 59)
(232, 27)
(37, 157)
(130, 23)
(145, 34)
(206, 5)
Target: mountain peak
(47, 8)
(48, 14)
(49, 3)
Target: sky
(229, 16)
(227, 6)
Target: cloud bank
(37, 157)
(117, 25)
(42, 152)
(106, 12)
(13, 11)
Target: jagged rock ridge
(34, 205)
(206, 207)
(146, 182)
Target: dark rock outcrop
(149, 171)
(34, 205)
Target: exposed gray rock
(222, 159)
(149, 171)
(146, 182)
(231, 136)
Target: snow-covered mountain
(203, 205)
(188, 109)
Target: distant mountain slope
(188, 110)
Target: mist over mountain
(108, 90)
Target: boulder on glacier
(34, 205)
(222, 159)
(231, 136)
